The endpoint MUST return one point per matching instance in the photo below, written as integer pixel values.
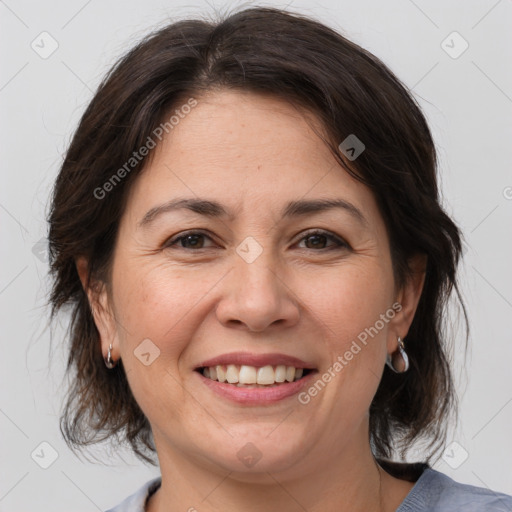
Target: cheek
(349, 300)
(156, 303)
(158, 311)
(353, 333)
(350, 314)
(167, 305)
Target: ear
(408, 297)
(100, 306)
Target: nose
(257, 297)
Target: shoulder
(437, 492)
(136, 501)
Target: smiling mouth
(246, 376)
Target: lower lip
(256, 396)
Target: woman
(248, 229)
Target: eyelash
(340, 243)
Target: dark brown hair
(350, 91)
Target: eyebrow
(214, 209)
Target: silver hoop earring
(109, 362)
(393, 362)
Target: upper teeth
(253, 375)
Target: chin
(251, 457)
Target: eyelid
(173, 241)
(338, 240)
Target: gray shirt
(432, 492)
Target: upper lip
(248, 359)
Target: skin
(253, 154)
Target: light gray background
(468, 104)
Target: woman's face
(265, 277)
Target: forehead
(235, 130)
(249, 152)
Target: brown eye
(321, 239)
(191, 240)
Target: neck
(349, 480)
